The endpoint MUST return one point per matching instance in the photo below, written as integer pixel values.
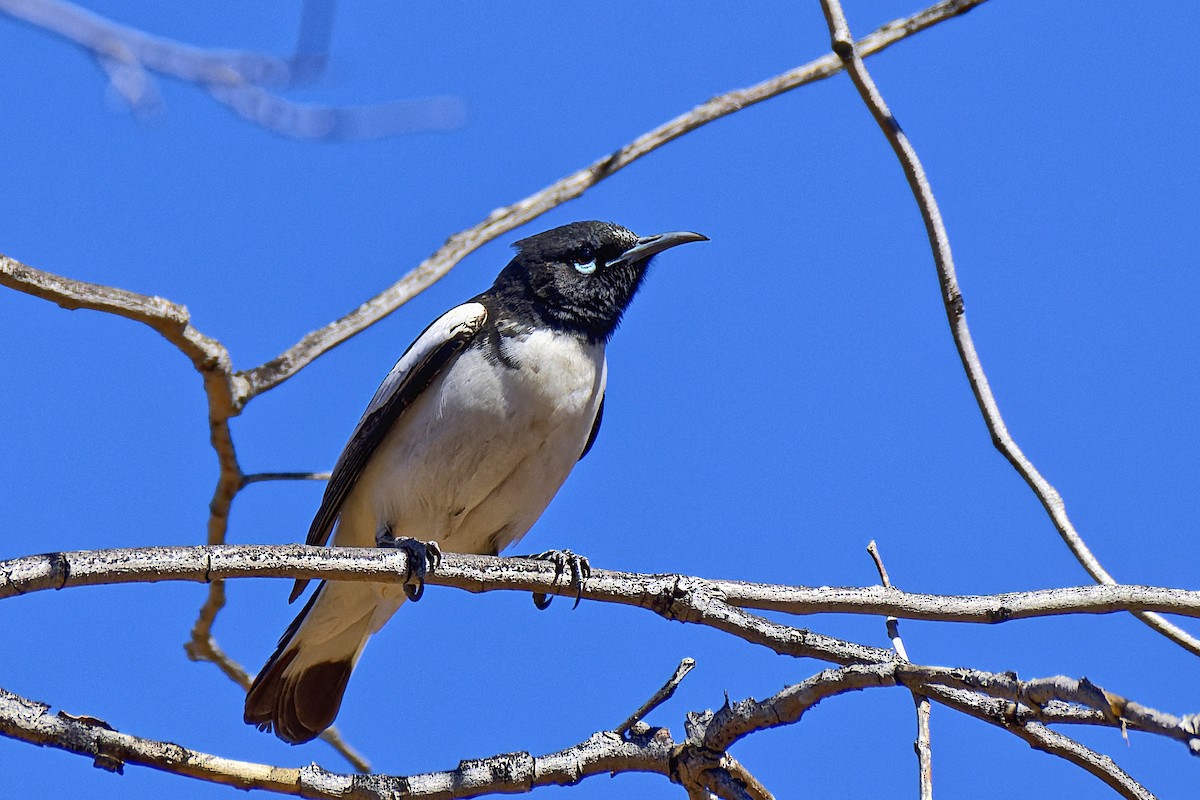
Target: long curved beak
(648, 246)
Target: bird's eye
(585, 261)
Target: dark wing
(595, 430)
(424, 359)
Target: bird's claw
(423, 558)
(563, 560)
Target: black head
(580, 277)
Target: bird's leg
(423, 557)
(580, 567)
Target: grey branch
(1042, 738)
(503, 220)
(851, 54)
(476, 573)
(237, 79)
(209, 357)
(601, 753)
(1024, 707)
(663, 694)
(1017, 720)
(675, 597)
(923, 746)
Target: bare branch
(893, 624)
(236, 78)
(602, 753)
(738, 720)
(208, 356)
(503, 220)
(476, 573)
(663, 694)
(851, 54)
(788, 706)
(1016, 720)
(923, 745)
(986, 609)
(671, 596)
(1042, 738)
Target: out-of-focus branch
(851, 55)
(235, 78)
(262, 477)
(503, 220)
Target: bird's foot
(563, 560)
(423, 558)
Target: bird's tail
(299, 690)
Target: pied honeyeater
(465, 443)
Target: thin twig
(845, 47)
(503, 220)
(923, 746)
(663, 694)
(893, 624)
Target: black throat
(519, 301)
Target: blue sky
(777, 397)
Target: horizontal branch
(600, 754)
(477, 573)
(987, 609)
(700, 762)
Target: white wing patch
(467, 317)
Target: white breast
(476, 460)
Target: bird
(464, 444)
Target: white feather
(471, 464)
(463, 317)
